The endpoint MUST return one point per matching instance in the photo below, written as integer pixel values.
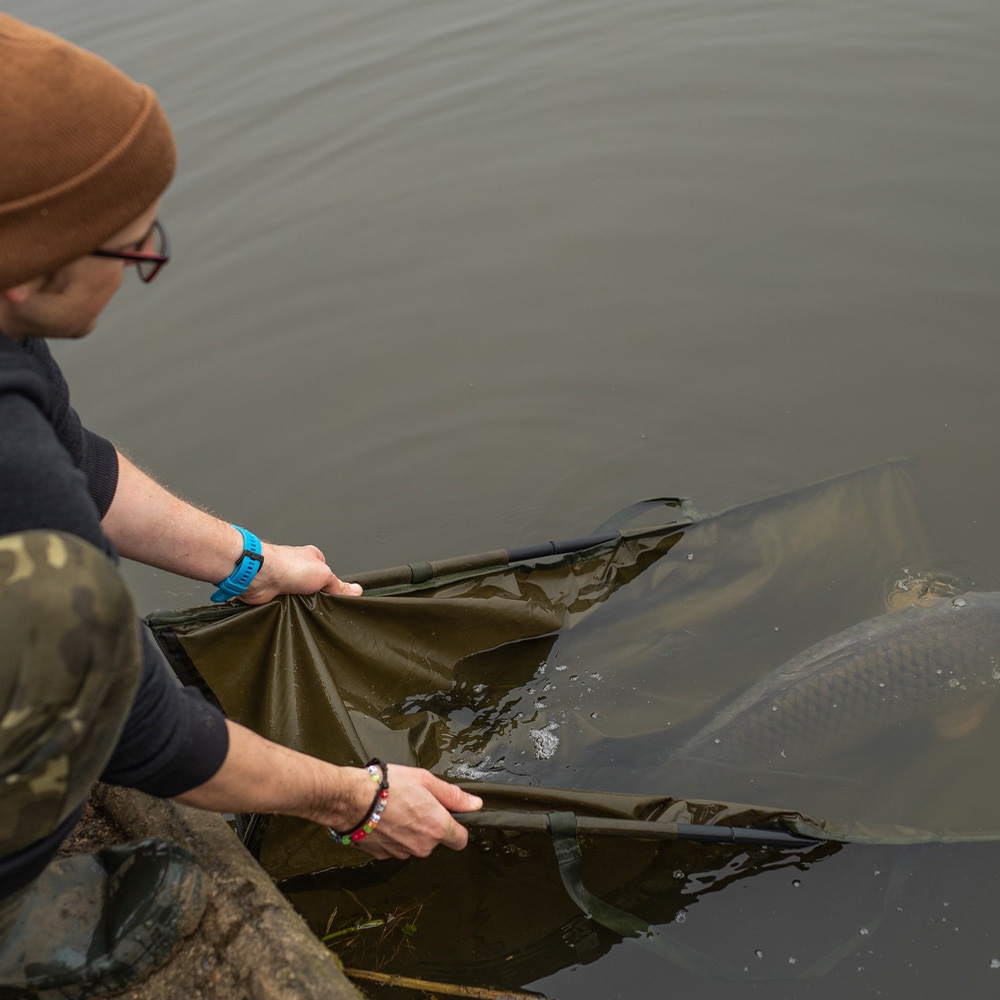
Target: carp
(940, 662)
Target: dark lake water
(450, 275)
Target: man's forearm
(260, 776)
(149, 524)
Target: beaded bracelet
(379, 773)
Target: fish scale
(899, 667)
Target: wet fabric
(574, 682)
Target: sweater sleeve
(40, 487)
(93, 455)
(173, 739)
(99, 464)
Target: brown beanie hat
(84, 151)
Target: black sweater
(57, 475)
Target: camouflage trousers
(69, 668)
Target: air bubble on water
(574, 677)
(530, 691)
(995, 963)
(785, 755)
(959, 602)
(759, 953)
(796, 882)
(774, 708)
(863, 931)
(681, 916)
(548, 686)
(593, 715)
(678, 874)
(562, 666)
(792, 959)
(596, 676)
(775, 628)
(690, 557)
(717, 740)
(953, 682)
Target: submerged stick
(450, 989)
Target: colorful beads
(379, 774)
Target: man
(85, 154)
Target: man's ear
(17, 295)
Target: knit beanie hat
(84, 151)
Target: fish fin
(962, 721)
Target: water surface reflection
(454, 276)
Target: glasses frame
(140, 257)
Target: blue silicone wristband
(247, 567)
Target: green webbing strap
(562, 826)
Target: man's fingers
(457, 837)
(454, 799)
(342, 589)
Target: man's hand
(260, 776)
(294, 569)
(417, 815)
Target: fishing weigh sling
(570, 685)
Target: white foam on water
(545, 740)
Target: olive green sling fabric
(577, 683)
(569, 682)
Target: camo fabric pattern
(68, 673)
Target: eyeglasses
(147, 262)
